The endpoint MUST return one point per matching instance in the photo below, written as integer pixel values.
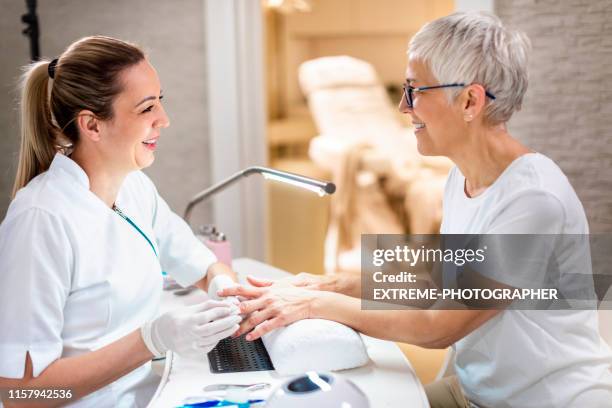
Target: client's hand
(271, 307)
(302, 280)
(191, 331)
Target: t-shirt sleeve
(36, 265)
(529, 212)
(521, 239)
(182, 255)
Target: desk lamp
(317, 186)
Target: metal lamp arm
(325, 186)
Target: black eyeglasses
(410, 90)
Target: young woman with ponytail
(86, 237)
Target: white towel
(315, 344)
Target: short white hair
(475, 47)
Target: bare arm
(425, 328)
(275, 306)
(85, 373)
(345, 283)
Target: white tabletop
(388, 379)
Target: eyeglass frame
(409, 90)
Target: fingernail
(249, 337)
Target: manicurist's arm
(218, 276)
(191, 331)
(182, 254)
(82, 374)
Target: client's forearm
(419, 327)
(346, 283)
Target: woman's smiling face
(438, 124)
(130, 137)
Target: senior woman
(466, 76)
(86, 237)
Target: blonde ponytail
(37, 130)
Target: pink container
(221, 247)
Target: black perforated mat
(238, 355)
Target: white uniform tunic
(75, 276)
(528, 358)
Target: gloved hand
(221, 282)
(191, 331)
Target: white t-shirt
(528, 358)
(75, 276)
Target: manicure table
(387, 379)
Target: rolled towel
(315, 344)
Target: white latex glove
(191, 331)
(218, 283)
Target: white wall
(567, 110)
(236, 111)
